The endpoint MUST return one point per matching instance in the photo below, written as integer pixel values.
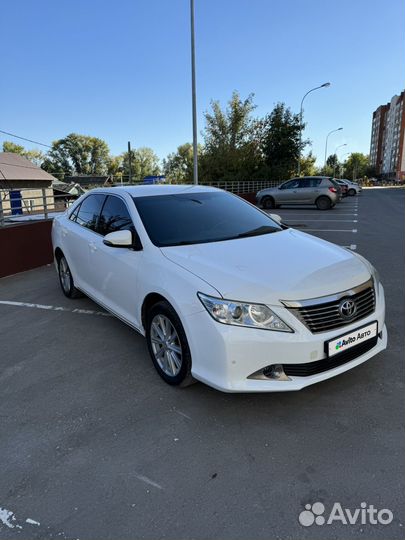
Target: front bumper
(225, 356)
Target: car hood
(287, 265)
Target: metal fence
(31, 204)
(19, 205)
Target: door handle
(92, 247)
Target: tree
(144, 162)
(78, 154)
(178, 166)
(36, 156)
(231, 150)
(308, 167)
(356, 166)
(281, 142)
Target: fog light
(276, 372)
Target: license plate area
(351, 339)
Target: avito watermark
(367, 514)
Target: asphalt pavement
(94, 445)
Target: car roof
(156, 189)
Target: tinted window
(309, 182)
(291, 184)
(114, 216)
(194, 218)
(89, 211)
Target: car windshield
(196, 218)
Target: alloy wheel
(64, 274)
(166, 345)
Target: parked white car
(353, 188)
(223, 292)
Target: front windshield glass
(195, 218)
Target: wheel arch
(150, 300)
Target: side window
(305, 183)
(73, 215)
(89, 211)
(114, 216)
(291, 184)
(309, 182)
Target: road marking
(55, 308)
(183, 414)
(353, 247)
(330, 230)
(148, 481)
(327, 220)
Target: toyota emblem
(347, 308)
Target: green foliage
(144, 162)
(231, 149)
(78, 154)
(178, 166)
(281, 144)
(357, 166)
(36, 156)
(308, 167)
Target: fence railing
(24, 204)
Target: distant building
(387, 147)
(23, 185)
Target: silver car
(322, 191)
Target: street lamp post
(324, 85)
(326, 145)
(336, 149)
(341, 166)
(194, 96)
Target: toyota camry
(223, 292)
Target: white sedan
(223, 292)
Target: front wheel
(168, 345)
(66, 279)
(351, 192)
(323, 203)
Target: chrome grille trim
(329, 298)
(322, 314)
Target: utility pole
(194, 96)
(129, 163)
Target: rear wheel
(323, 203)
(351, 192)
(268, 203)
(168, 345)
(66, 279)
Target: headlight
(241, 314)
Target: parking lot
(94, 445)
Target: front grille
(312, 368)
(322, 317)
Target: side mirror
(276, 218)
(123, 239)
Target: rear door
(77, 235)
(309, 189)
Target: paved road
(94, 446)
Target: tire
(351, 192)
(323, 203)
(66, 279)
(268, 203)
(174, 363)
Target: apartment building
(387, 147)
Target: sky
(120, 70)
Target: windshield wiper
(264, 229)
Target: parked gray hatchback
(322, 191)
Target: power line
(24, 139)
